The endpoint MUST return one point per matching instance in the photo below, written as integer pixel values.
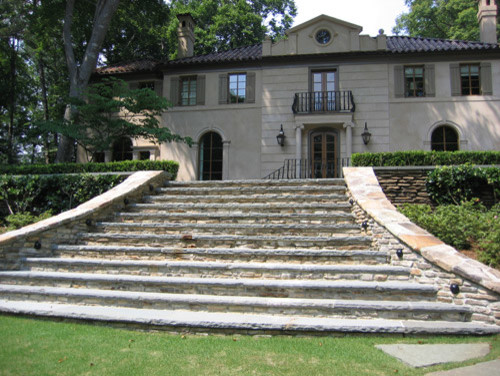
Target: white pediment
(323, 34)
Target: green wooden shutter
(223, 88)
(430, 80)
(200, 90)
(399, 84)
(174, 90)
(250, 88)
(486, 79)
(456, 89)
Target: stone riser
(172, 271)
(312, 310)
(245, 199)
(223, 289)
(233, 255)
(249, 218)
(250, 208)
(202, 241)
(227, 229)
(253, 190)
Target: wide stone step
(261, 229)
(231, 217)
(245, 198)
(232, 241)
(229, 323)
(256, 183)
(311, 289)
(272, 207)
(295, 255)
(273, 306)
(220, 269)
(253, 190)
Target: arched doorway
(323, 154)
(445, 138)
(210, 156)
(122, 149)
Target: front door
(323, 155)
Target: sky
(372, 15)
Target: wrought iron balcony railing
(323, 102)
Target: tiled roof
(395, 45)
(134, 66)
(402, 44)
(248, 53)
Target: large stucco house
(329, 90)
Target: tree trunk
(12, 103)
(80, 72)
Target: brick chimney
(185, 33)
(487, 17)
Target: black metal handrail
(307, 169)
(323, 101)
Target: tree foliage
(447, 19)
(110, 111)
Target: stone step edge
(232, 226)
(284, 252)
(256, 182)
(398, 286)
(296, 216)
(269, 302)
(239, 206)
(318, 268)
(202, 237)
(235, 198)
(224, 322)
(255, 188)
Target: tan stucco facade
(361, 66)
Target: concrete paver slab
(429, 355)
(491, 368)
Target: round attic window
(323, 36)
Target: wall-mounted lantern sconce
(366, 135)
(281, 137)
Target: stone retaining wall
(431, 261)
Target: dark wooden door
(324, 155)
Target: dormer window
(323, 36)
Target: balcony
(321, 102)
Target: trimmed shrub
(425, 158)
(454, 184)
(69, 168)
(35, 195)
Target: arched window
(122, 149)
(444, 138)
(210, 157)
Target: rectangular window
(414, 81)
(188, 91)
(237, 87)
(470, 82)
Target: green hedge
(455, 184)
(31, 196)
(67, 168)
(425, 158)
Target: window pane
(237, 88)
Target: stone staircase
(248, 256)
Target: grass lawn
(39, 347)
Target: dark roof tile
(130, 67)
(403, 44)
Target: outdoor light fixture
(454, 288)
(37, 245)
(399, 253)
(88, 222)
(366, 135)
(364, 225)
(126, 201)
(281, 137)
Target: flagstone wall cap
(131, 184)
(366, 191)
